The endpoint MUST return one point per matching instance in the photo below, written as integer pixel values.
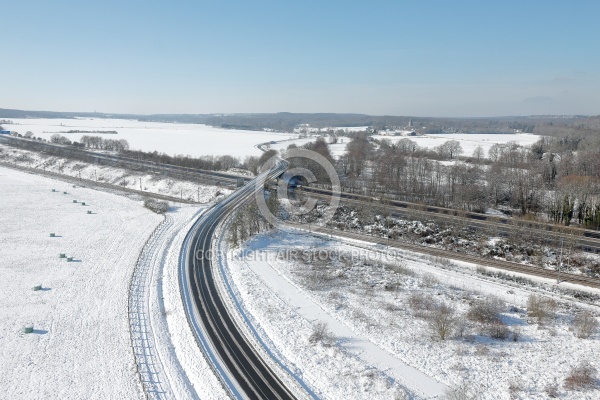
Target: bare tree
(478, 153)
(450, 148)
(442, 321)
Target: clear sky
(423, 58)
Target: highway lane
(243, 370)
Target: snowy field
(80, 346)
(376, 311)
(468, 141)
(336, 149)
(186, 139)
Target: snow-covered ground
(468, 141)
(378, 347)
(336, 149)
(283, 317)
(368, 303)
(80, 346)
(116, 176)
(168, 358)
(186, 139)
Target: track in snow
(161, 376)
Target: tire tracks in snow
(159, 371)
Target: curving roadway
(244, 372)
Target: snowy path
(410, 377)
(158, 367)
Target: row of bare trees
(249, 221)
(99, 143)
(557, 178)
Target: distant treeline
(80, 131)
(286, 122)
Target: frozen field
(187, 139)
(80, 346)
(468, 141)
(336, 149)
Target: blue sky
(423, 58)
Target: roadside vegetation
(464, 332)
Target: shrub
(516, 334)
(462, 392)
(485, 311)
(514, 388)
(442, 321)
(581, 377)
(420, 304)
(158, 206)
(320, 334)
(498, 330)
(429, 280)
(401, 269)
(482, 350)
(552, 391)
(540, 308)
(462, 327)
(584, 324)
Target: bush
(516, 334)
(498, 330)
(158, 206)
(584, 325)
(462, 392)
(515, 387)
(552, 391)
(540, 308)
(429, 280)
(442, 321)
(581, 377)
(486, 311)
(462, 327)
(320, 334)
(401, 269)
(420, 304)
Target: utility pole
(198, 194)
(559, 261)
